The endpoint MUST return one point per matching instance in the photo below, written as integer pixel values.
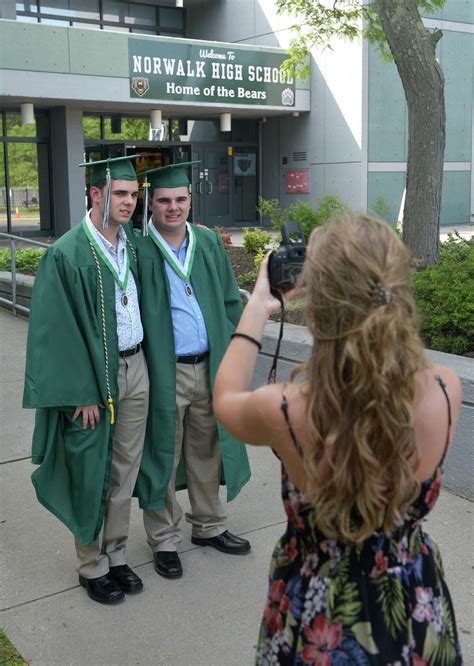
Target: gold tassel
(111, 408)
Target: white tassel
(146, 186)
(105, 219)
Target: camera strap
(272, 374)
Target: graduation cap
(112, 168)
(170, 176)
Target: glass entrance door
(212, 192)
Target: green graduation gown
(219, 299)
(65, 367)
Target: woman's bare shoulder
(432, 410)
(430, 387)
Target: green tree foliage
(23, 161)
(396, 28)
(321, 22)
(131, 128)
(22, 157)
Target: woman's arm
(248, 415)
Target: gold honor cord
(110, 401)
(132, 250)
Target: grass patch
(9, 655)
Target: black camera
(286, 263)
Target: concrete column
(67, 149)
(8, 9)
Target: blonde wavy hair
(360, 381)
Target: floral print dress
(382, 602)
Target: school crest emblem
(140, 85)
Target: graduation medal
(121, 278)
(183, 271)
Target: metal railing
(27, 241)
(245, 294)
(13, 241)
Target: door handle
(210, 188)
(199, 187)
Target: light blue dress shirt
(190, 335)
(129, 323)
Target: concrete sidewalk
(210, 617)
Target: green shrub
(309, 218)
(246, 280)
(256, 239)
(444, 297)
(309, 214)
(259, 257)
(271, 208)
(380, 208)
(27, 259)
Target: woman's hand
(262, 293)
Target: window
(24, 175)
(3, 192)
(79, 9)
(115, 15)
(28, 6)
(129, 13)
(101, 128)
(171, 17)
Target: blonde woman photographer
(362, 431)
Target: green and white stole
(120, 276)
(184, 271)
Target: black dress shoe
(168, 564)
(126, 579)
(226, 543)
(103, 589)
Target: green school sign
(208, 74)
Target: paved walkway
(210, 617)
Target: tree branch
(435, 37)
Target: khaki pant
(109, 549)
(198, 440)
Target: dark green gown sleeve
(232, 298)
(59, 368)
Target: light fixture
(179, 3)
(295, 114)
(27, 114)
(226, 122)
(155, 119)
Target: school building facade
(201, 80)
